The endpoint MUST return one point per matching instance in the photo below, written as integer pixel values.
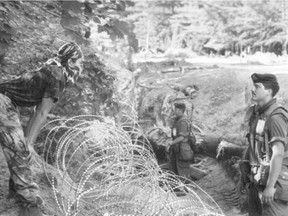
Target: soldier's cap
(180, 106)
(264, 78)
(269, 79)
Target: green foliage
(77, 15)
(40, 35)
(118, 29)
(232, 25)
(7, 27)
(93, 89)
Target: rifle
(254, 202)
(262, 174)
(245, 170)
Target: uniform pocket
(185, 152)
(282, 187)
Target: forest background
(119, 37)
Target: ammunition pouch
(264, 175)
(282, 185)
(173, 149)
(245, 170)
(192, 141)
(185, 152)
(254, 202)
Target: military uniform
(25, 91)
(167, 106)
(267, 125)
(181, 154)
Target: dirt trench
(219, 109)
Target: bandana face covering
(73, 69)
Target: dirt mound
(219, 185)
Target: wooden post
(147, 35)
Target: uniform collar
(179, 117)
(263, 109)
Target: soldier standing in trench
(42, 89)
(189, 92)
(181, 153)
(183, 95)
(267, 152)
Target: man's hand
(268, 194)
(275, 169)
(33, 156)
(168, 146)
(30, 148)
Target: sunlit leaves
(77, 14)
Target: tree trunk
(173, 7)
(147, 35)
(261, 48)
(174, 37)
(284, 19)
(129, 58)
(284, 46)
(210, 144)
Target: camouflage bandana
(71, 57)
(73, 69)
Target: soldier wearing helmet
(41, 89)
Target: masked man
(41, 89)
(268, 150)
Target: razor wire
(103, 169)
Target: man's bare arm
(275, 163)
(37, 120)
(274, 171)
(177, 140)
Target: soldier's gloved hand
(31, 150)
(33, 157)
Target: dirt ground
(220, 106)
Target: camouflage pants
(275, 208)
(181, 168)
(17, 155)
(257, 208)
